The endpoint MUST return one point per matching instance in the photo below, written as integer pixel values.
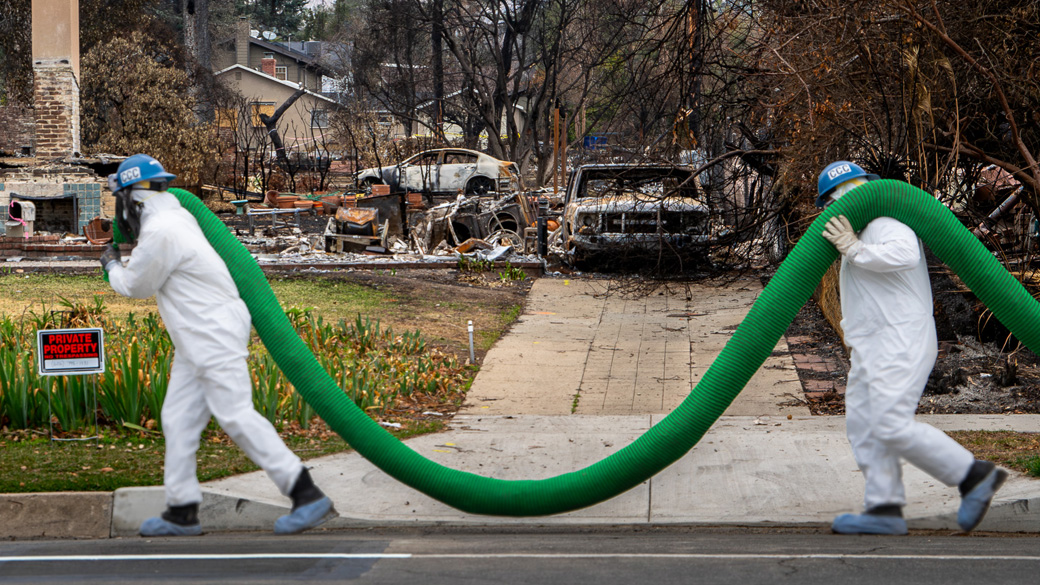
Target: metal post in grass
(71, 352)
(472, 360)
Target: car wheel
(479, 186)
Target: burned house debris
(49, 192)
(366, 225)
(497, 221)
(47, 208)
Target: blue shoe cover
(869, 524)
(305, 517)
(161, 527)
(975, 503)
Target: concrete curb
(56, 515)
(84, 515)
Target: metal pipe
(472, 359)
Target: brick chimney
(55, 53)
(242, 42)
(267, 65)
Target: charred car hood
(624, 203)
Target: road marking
(435, 556)
(202, 557)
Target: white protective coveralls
(209, 325)
(886, 303)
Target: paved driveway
(581, 348)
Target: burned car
(445, 171)
(625, 209)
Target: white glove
(113, 183)
(839, 232)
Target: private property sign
(70, 351)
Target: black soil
(981, 368)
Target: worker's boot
(977, 491)
(311, 507)
(877, 520)
(175, 521)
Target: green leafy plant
(474, 265)
(1031, 465)
(374, 366)
(268, 384)
(512, 273)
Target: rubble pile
(392, 229)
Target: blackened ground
(970, 376)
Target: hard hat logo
(839, 171)
(129, 175)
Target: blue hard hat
(834, 175)
(141, 167)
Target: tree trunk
(271, 123)
(198, 46)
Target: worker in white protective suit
(886, 304)
(210, 327)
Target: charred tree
(271, 124)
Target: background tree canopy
(134, 99)
(761, 93)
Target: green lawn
(124, 456)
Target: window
(319, 118)
(261, 108)
(459, 158)
(227, 118)
(281, 72)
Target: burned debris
(496, 221)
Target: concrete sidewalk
(580, 376)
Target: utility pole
(695, 33)
(556, 150)
(563, 151)
(437, 41)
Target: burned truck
(632, 210)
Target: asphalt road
(536, 556)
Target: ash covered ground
(981, 368)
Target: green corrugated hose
(676, 434)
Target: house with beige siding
(285, 63)
(306, 122)
(267, 74)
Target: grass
(24, 294)
(33, 463)
(121, 461)
(486, 338)
(333, 300)
(1009, 449)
